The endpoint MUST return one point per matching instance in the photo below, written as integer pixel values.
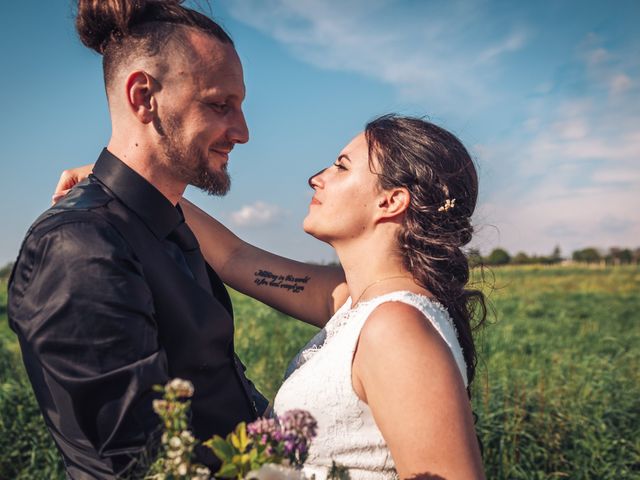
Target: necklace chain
(375, 283)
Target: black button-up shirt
(105, 307)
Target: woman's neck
(372, 267)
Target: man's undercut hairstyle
(118, 29)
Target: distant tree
(619, 256)
(636, 256)
(498, 256)
(626, 256)
(556, 255)
(5, 271)
(521, 258)
(613, 256)
(587, 255)
(474, 257)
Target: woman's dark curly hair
(434, 166)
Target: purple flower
(299, 423)
(262, 426)
(287, 436)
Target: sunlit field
(557, 390)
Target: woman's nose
(314, 180)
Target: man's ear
(394, 202)
(140, 95)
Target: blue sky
(544, 94)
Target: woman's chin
(309, 228)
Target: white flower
(159, 406)
(271, 471)
(202, 473)
(448, 204)
(187, 437)
(174, 454)
(181, 388)
(175, 442)
(182, 469)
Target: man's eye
(219, 107)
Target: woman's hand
(68, 179)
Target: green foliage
(238, 453)
(557, 387)
(586, 255)
(266, 340)
(557, 390)
(521, 258)
(27, 449)
(498, 256)
(474, 258)
(5, 271)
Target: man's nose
(238, 130)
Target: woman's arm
(311, 293)
(407, 375)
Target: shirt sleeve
(84, 315)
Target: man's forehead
(208, 49)
(215, 64)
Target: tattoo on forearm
(288, 282)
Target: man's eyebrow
(221, 93)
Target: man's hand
(68, 179)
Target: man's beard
(189, 163)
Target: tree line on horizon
(590, 255)
(500, 256)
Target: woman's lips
(314, 201)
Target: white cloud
(418, 50)
(512, 43)
(596, 56)
(620, 83)
(258, 214)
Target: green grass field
(557, 390)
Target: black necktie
(186, 240)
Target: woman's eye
(339, 166)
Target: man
(110, 294)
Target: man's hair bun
(98, 22)
(120, 29)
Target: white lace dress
(319, 380)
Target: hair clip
(448, 205)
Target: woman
(387, 377)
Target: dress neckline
(422, 296)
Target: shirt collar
(155, 210)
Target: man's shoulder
(85, 203)
(82, 224)
(73, 236)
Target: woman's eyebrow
(344, 156)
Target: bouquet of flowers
(266, 449)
